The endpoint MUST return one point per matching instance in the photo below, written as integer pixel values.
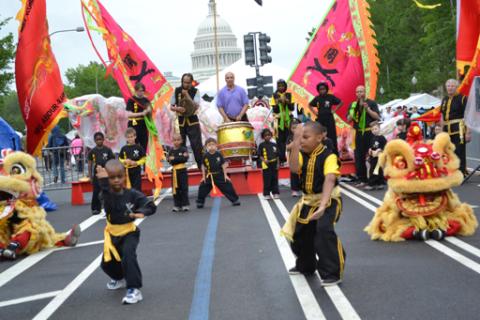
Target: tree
(7, 53)
(413, 41)
(10, 111)
(90, 79)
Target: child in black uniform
(376, 181)
(214, 175)
(310, 226)
(294, 177)
(98, 156)
(177, 157)
(122, 236)
(268, 153)
(133, 156)
(139, 107)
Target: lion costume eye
(17, 168)
(399, 162)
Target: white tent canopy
(242, 72)
(421, 101)
(389, 104)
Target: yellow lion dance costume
(419, 203)
(23, 225)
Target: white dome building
(203, 56)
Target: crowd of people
(309, 147)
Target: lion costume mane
(419, 203)
(24, 228)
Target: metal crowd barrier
(53, 161)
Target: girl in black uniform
(324, 104)
(139, 106)
(177, 157)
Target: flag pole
(215, 35)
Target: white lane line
(467, 262)
(304, 293)
(80, 245)
(474, 159)
(453, 240)
(35, 297)
(336, 294)
(19, 267)
(64, 294)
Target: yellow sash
(116, 230)
(175, 179)
(461, 128)
(312, 200)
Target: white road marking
(463, 245)
(474, 159)
(24, 264)
(64, 294)
(307, 299)
(80, 245)
(340, 301)
(29, 298)
(467, 262)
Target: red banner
(39, 84)
(341, 53)
(468, 32)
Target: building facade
(203, 56)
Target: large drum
(236, 140)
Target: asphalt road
(225, 262)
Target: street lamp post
(414, 82)
(77, 29)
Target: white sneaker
(267, 197)
(116, 284)
(295, 194)
(132, 296)
(276, 196)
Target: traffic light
(264, 48)
(259, 87)
(249, 45)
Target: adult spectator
(57, 142)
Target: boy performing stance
(268, 153)
(214, 175)
(122, 236)
(177, 157)
(132, 156)
(98, 156)
(310, 226)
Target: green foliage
(7, 53)
(413, 41)
(10, 111)
(87, 79)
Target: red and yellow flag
(342, 53)
(129, 65)
(39, 84)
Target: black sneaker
(330, 282)
(236, 203)
(95, 212)
(200, 205)
(437, 234)
(293, 271)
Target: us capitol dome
(203, 56)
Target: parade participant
(268, 153)
(322, 106)
(232, 100)
(214, 175)
(402, 128)
(132, 156)
(376, 181)
(294, 177)
(177, 157)
(362, 112)
(310, 225)
(122, 236)
(98, 156)
(453, 110)
(139, 106)
(185, 102)
(282, 104)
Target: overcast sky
(165, 30)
